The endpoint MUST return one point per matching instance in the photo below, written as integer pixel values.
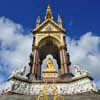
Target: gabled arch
(49, 39)
(49, 45)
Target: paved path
(15, 97)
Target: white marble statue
(19, 72)
(79, 71)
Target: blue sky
(80, 17)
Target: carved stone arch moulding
(48, 39)
(49, 45)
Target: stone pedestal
(67, 86)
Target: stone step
(24, 97)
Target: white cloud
(15, 47)
(86, 52)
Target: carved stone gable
(48, 26)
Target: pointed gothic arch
(49, 45)
(49, 39)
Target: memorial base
(74, 86)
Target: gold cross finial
(48, 13)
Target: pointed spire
(38, 21)
(59, 21)
(48, 13)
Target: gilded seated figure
(50, 66)
(50, 71)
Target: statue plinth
(50, 72)
(49, 75)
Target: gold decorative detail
(50, 66)
(49, 19)
(50, 72)
(57, 39)
(57, 97)
(48, 13)
(43, 95)
(56, 92)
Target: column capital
(62, 47)
(34, 48)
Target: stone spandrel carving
(79, 71)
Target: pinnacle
(48, 13)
